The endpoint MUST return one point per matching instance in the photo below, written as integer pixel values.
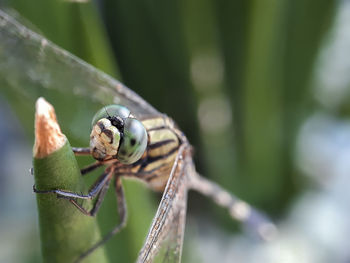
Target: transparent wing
(32, 64)
(171, 246)
(165, 236)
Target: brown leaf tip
(48, 135)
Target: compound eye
(113, 110)
(134, 142)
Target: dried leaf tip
(48, 135)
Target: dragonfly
(128, 136)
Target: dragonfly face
(116, 134)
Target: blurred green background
(240, 78)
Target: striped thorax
(163, 143)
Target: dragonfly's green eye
(110, 111)
(134, 141)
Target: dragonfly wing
(166, 233)
(171, 246)
(32, 65)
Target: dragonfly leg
(90, 167)
(95, 189)
(93, 211)
(237, 208)
(81, 151)
(122, 210)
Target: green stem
(65, 232)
